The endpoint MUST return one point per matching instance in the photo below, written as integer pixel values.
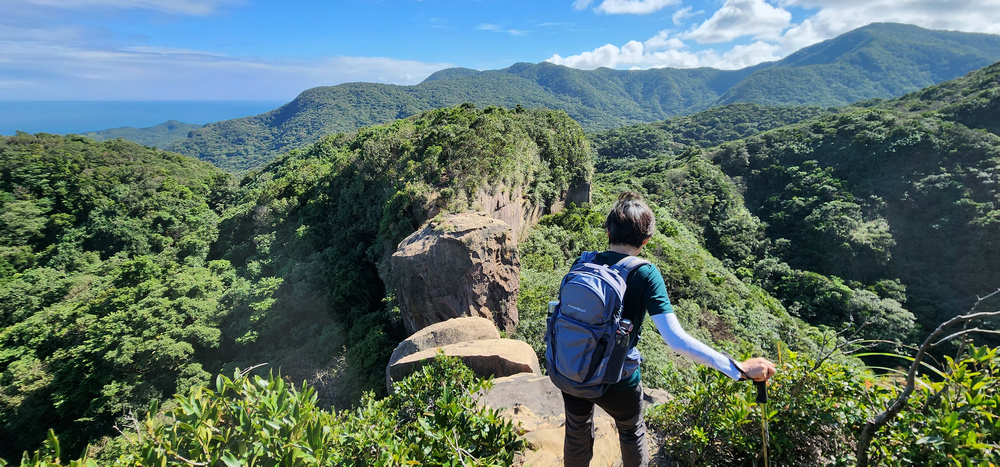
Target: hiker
(629, 225)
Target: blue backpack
(581, 355)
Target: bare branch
(964, 332)
(980, 299)
(248, 370)
(875, 423)
(188, 462)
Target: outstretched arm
(681, 342)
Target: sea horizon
(68, 117)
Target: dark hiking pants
(625, 407)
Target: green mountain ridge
(128, 274)
(876, 61)
(863, 193)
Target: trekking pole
(762, 404)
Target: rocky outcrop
(536, 404)
(445, 333)
(457, 265)
(520, 214)
(486, 358)
(442, 334)
(578, 194)
(519, 389)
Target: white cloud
(633, 7)
(496, 28)
(148, 73)
(581, 4)
(684, 13)
(662, 40)
(776, 36)
(742, 56)
(661, 51)
(187, 7)
(838, 16)
(738, 18)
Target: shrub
(432, 418)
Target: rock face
(458, 265)
(442, 334)
(534, 402)
(518, 212)
(486, 358)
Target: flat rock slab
(536, 404)
(487, 358)
(452, 331)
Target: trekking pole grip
(761, 391)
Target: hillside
(862, 195)
(129, 274)
(107, 298)
(876, 61)
(159, 136)
(971, 100)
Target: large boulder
(458, 265)
(441, 334)
(487, 358)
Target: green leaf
(230, 460)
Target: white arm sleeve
(678, 340)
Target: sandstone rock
(545, 447)
(536, 404)
(510, 206)
(441, 334)
(486, 358)
(458, 265)
(578, 194)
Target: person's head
(630, 221)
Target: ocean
(63, 117)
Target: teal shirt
(645, 293)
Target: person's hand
(759, 369)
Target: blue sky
(272, 50)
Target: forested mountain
(876, 61)
(128, 274)
(107, 297)
(159, 136)
(898, 197)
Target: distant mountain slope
(907, 190)
(879, 60)
(703, 129)
(159, 136)
(972, 100)
(876, 61)
(897, 198)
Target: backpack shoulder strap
(629, 264)
(588, 256)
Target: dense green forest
(130, 274)
(876, 61)
(107, 290)
(127, 271)
(896, 197)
